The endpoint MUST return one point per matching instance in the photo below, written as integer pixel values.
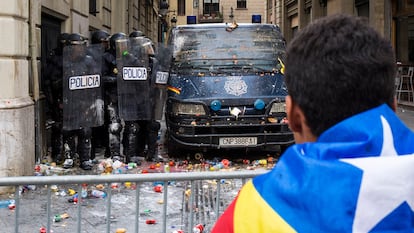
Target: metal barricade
(200, 197)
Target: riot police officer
(82, 100)
(53, 74)
(99, 134)
(113, 122)
(141, 137)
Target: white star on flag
(386, 183)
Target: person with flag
(351, 168)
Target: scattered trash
(150, 221)
(59, 217)
(120, 230)
(204, 192)
(54, 188)
(6, 203)
(44, 230)
(199, 228)
(158, 188)
(97, 193)
(84, 193)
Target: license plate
(161, 78)
(84, 82)
(134, 73)
(238, 141)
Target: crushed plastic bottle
(59, 217)
(166, 168)
(84, 193)
(150, 221)
(97, 193)
(6, 203)
(199, 228)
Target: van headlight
(277, 113)
(188, 109)
(277, 107)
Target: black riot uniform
(140, 136)
(113, 120)
(100, 134)
(53, 72)
(82, 103)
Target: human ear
(297, 122)
(395, 104)
(293, 116)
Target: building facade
(394, 19)
(29, 30)
(216, 11)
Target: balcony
(211, 18)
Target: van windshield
(218, 50)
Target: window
(92, 7)
(241, 4)
(181, 7)
(362, 7)
(210, 6)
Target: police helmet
(63, 38)
(76, 39)
(149, 46)
(135, 34)
(114, 38)
(99, 36)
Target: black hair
(336, 67)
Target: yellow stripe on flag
(253, 214)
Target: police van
(226, 89)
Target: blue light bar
(191, 19)
(256, 18)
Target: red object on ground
(12, 206)
(150, 221)
(225, 162)
(199, 228)
(158, 188)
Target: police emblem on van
(235, 86)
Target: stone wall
(17, 145)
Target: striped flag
(358, 177)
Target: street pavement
(33, 202)
(406, 114)
(33, 212)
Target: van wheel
(173, 152)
